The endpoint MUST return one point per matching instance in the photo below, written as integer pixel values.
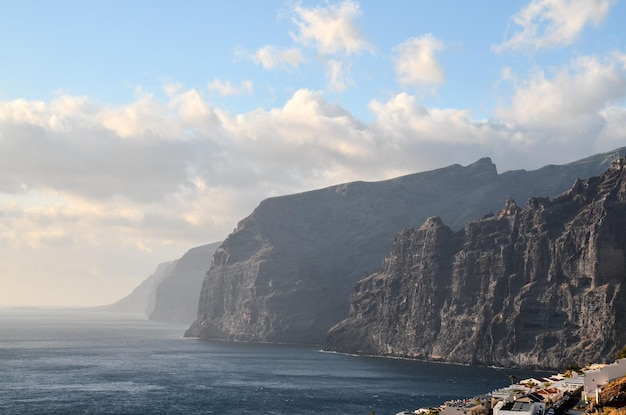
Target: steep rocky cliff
(176, 296)
(141, 300)
(541, 286)
(286, 273)
(171, 293)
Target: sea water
(76, 362)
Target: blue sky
(106, 50)
(133, 131)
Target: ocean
(77, 362)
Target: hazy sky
(131, 131)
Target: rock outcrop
(285, 274)
(539, 286)
(176, 296)
(613, 395)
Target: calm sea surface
(68, 362)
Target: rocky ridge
(285, 274)
(539, 286)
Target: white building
(519, 408)
(598, 377)
(461, 407)
(551, 395)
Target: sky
(132, 131)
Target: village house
(519, 408)
(551, 394)
(534, 396)
(461, 407)
(599, 375)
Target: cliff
(171, 293)
(285, 274)
(176, 296)
(142, 299)
(541, 286)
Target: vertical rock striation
(539, 286)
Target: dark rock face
(541, 286)
(286, 273)
(176, 296)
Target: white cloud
(568, 98)
(545, 24)
(424, 132)
(226, 88)
(416, 63)
(620, 59)
(308, 140)
(146, 116)
(339, 74)
(270, 57)
(612, 136)
(330, 29)
(571, 111)
(192, 110)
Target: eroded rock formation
(539, 286)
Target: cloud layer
(173, 159)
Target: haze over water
(68, 362)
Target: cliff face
(176, 296)
(540, 286)
(141, 300)
(171, 293)
(286, 273)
